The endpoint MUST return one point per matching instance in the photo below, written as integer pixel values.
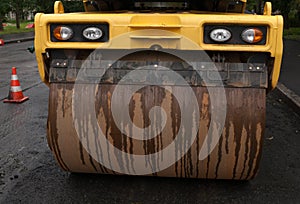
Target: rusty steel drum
(236, 154)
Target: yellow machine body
(138, 37)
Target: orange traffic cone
(1, 42)
(15, 93)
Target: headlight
(92, 33)
(79, 32)
(252, 35)
(220, 35)
(63, 33)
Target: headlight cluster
(233, 34)
(252, 35)
(63, 33)
(79, 32)
(220, 35)
(92, 33)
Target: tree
(297, 8)
(73, 6)
(284, 6)
(44, 6)
(19, 6)
(4, 9)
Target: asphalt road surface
(290, 71)
(29, 174)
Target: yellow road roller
(174, 88)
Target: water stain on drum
(236, 156)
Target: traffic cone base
(15, 94)
(16, 100)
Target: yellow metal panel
(278, 44)
(59, 7)
(268, 9)
(39, 48)
(183, 26)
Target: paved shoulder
(290, 70)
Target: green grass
(292, 33)
(11, 28)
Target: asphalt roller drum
(86, 136)
(236, 156)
